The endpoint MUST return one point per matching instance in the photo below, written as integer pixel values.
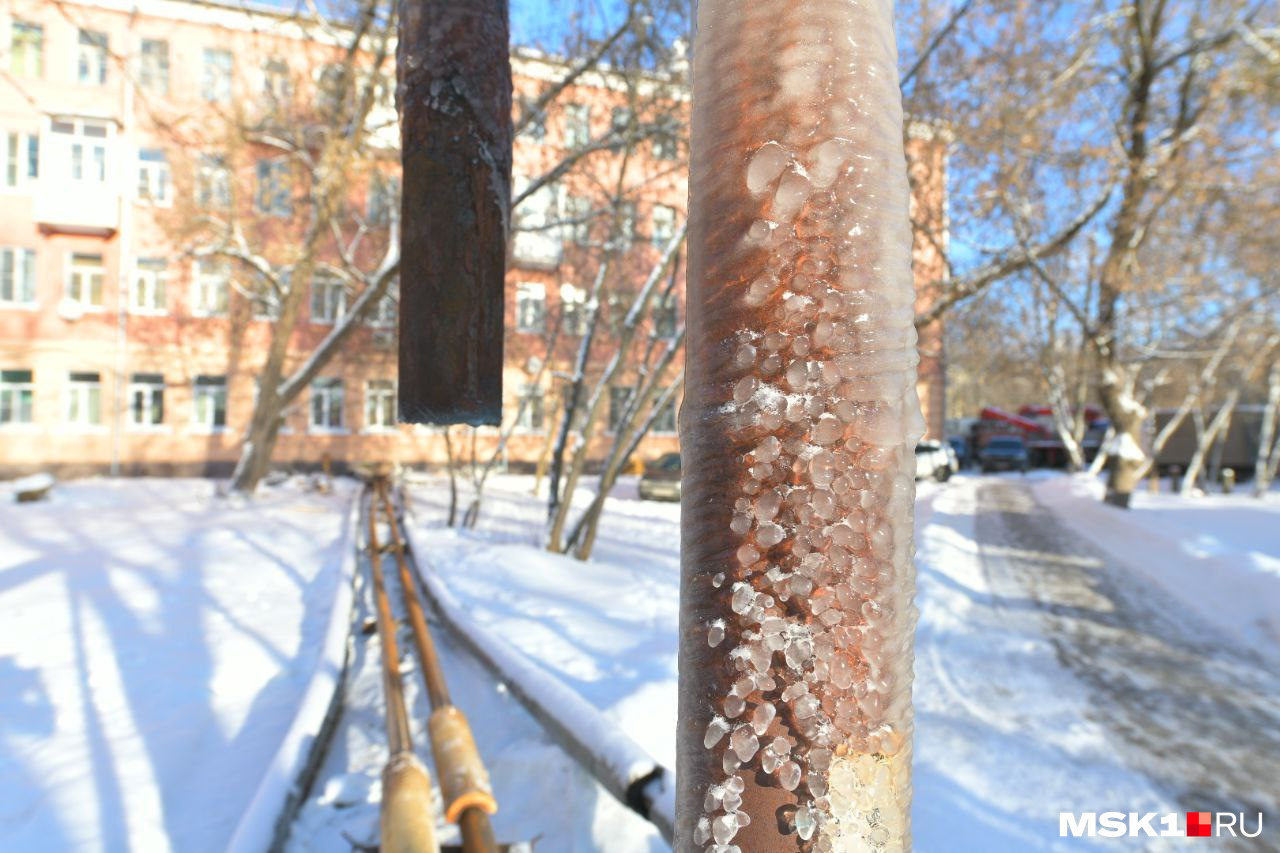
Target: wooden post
(454, 92)
(798, 429)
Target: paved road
(1195, 713)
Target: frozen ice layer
(798, 429)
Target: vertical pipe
(798, 428)
(454, 93)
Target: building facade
(124, 348)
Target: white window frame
(329, 295)
(664, 225)
(327, 393)
(379, 403)
(79, 144)
(154, 68)
(204, 415)
(155, 179)
(277, 84)
(657, 429)
(150, 291)
(574, 316)
(38, 52)
(210, 278)
(80, 285)
(17, 277)
(20, 166)
(17, 396)
(527, 293)
(215, 77)
(213, 182)
(150, 394)
(82, 397)
(384, 195)
(577, 220)
(386, 312)
(91, 54)
(272, 194)
(536, 395)
(615, 412)
(577, 125)
(665, 302)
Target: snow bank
(266, 822)
(1218, 554)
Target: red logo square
(1199, 824)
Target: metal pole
(407, 819)
(464, 782)
(797, 430)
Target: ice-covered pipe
(798, 430)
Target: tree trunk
(1262, 467)
(256, 452)
(1207, 438)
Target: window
(146, 400)
(84, 399)
(531, 308)
(620, 119)
(150, 281)
(21, 159)
(379, 405)
(81, 147)
(384, 196)
(153, 66)
(619, 399)
(329, 86)
(26, 49)
(84, 280)
(577, 125)
(276, 84)
(154, 183)
(573, 310)
(326, 404)
(538, 241)
(91, 58)
(328, 298)
(666, 316)
(665, 147)
(17, 277)
(666, 419)
(16, 395)
(626, 223)
(273, 188)
(215, 81)
(535, 129)
(210, 282)
(264, 300)
(664, 225)
(577, 213)
(530, 411)
(383, 314)
(209, 394)
(213, 182)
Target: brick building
(121, 349)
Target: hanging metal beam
(454, 92)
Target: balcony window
(17, 393)
(379, 405)
(209, 395)
(91, 58)
(577, 125)
(328, 298)
(215, 80)
(21, 159)
(155, 183)
(573, 310)
(146, 400)
(153, 66)
(78, 149)
(150, 282)
(272, 198)
(531, 308)
(26, 49)
(84, 399)
(326, 404)
(213, 182)
(664, 225)
(210, 283)
(84, 280)
(17, 277)
(531, 408)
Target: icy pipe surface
(798, 431)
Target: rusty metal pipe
(464, 783)
(406, 819)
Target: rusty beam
(454, 92)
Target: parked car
(960, 448)
(935, 459)
(1004, 453)
(661, 479)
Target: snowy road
(1189, 708)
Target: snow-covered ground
(1217, 554)
(155, 642)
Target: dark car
(661, 478)
(1004, 453)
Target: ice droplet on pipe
(798, 428)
